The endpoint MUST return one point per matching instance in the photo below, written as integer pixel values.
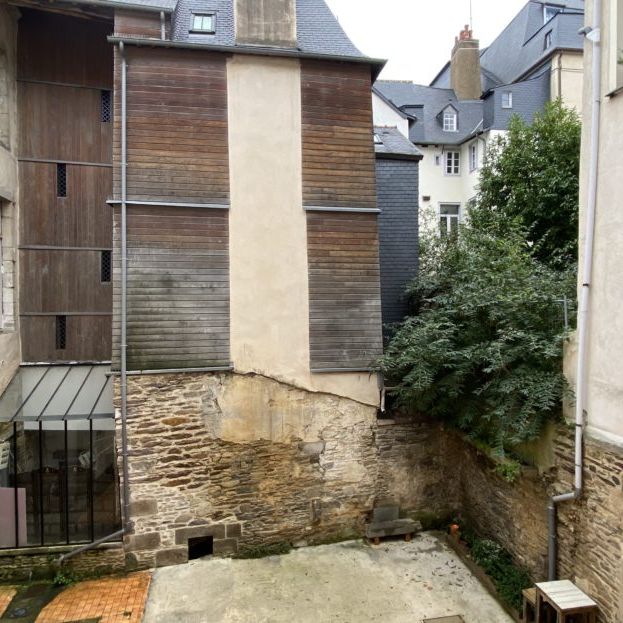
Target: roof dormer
(449, 119)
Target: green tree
(483, 350)
(530, 177)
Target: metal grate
(61, 332)
(106, 266)
(61, 180)
(106, 107)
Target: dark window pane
(53, 487)
(106, 107)
(106, 266)
(78, 481)
(106, 512)
(61, 332)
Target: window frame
(452, 165)
(203, 31)
(449, 217)
(550, 7)
(473, 157)
(450, 113)
(547, 41)
(507, 100)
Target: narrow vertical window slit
(61, 180)
(61, 332)
(106, 107)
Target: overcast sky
(416, 36)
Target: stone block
(168, 557)
(385, 513)
(141, 508)
(183, 534)
(312, 449)
(225, 546)
(138, 542)
(234, 530)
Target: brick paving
(110, 600)
(6, 595)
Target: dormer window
(449, 120)
(549, 12)
(547, 43)
(377, 140)
(204, 23)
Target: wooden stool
(529, 605)
(563, 601)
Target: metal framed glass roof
(60, 392)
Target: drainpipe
(593, 34)
(162, 26)
(124, 297)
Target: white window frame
(473, 156)
(449, 218)
(450, 120)
(547, 42)
(201, 29)
(550, 10)
(507, 99)
(452, 163)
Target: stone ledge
(56, 549)
(217, 531)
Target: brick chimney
(465, 66)
(270, 23)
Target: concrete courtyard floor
(350, 582)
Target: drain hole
(199, 547)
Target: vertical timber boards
(344, 290)
(64, 64)
(178, 288)
(338, 147)
(176, 126)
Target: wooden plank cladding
(77, 133)
(58, 48)
(176, 126)
(178, 288)
(338, 148)
(139, 24)
(344, 290)
(81, 219)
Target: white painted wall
(386, 115)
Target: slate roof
(426, 104)
(520, 47)
(394, 144)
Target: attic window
(377, 140)
(548, 41)
(204, 23)
(549, 12)
(507, 99)
(449, 120)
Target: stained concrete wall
(567, 79)
(268, 231)
(270, 23)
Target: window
(449, 217)
(453, 163)
(61, 180)
(473, 156)
(61, 332)
(204, 22)
(449, 120)
(106, 267)
(106, 107)
(548, 41)
(507, 99)
(377, 140)
(437, 160)
(549, 12)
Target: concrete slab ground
(350, 582)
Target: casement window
(203, 23)
(449, 120)
(473, 156)
(453, 163)
(507, 99)
(449, 218)
(549, 12)
(547, 43)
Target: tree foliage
(530, 178)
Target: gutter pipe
(594, 35)
(124, 275)
(162, 26)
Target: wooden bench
(562, 602)
(529, 605)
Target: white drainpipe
(593, 34)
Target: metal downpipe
(594, 35)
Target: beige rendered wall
(268, 236)
(269, 22)
(9, 335)
(567, 78)
(605, 348)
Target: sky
(416, 36)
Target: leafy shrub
(64, 578)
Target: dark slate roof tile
(393, 142)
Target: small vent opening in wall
(199, 547)
(61, 332)
(106, 267)
(61, 180)
(106, 107)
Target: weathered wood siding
(60, 83)
(343, 250)
(177, 126)
(338, 147)
(139, 24)
(344, 290)
(178, 288)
